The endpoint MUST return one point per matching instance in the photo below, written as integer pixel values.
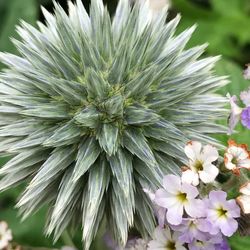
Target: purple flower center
(245, 117)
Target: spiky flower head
(94, 109)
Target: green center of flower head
(198, 165)
(182, 197)
(170, 245)
(222, 212)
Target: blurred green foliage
(224, 24)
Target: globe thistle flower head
(94, 109)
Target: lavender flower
(193, 229)
(163, 239)
(223, 245)
(221, 213)
(245, 117)
(210, 244)
(178, 196)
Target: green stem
(67, 240)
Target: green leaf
(68, 134)
(137, 144)
(139, 115)
(108, 138)
(96, 86)
(122, 169)
(88, 117)
(92, 209)
(88, 152)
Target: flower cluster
(194, 220)
(193, 210)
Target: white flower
(200, 163)
(244, 199)
(163, 239)
(5, 235)
(236, 157)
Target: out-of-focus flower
(193, 229)
(160, 212)
(5, 235)
(178, 196)
(236, 157)
(246, 72)
(221, 213)
(244, 199)
(200, 163)
(209, 244)
(136, 244)
(245, 117)
(223, 245)
(245, 97)
(235, 113)
(163, 239)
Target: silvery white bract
(95, 109)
